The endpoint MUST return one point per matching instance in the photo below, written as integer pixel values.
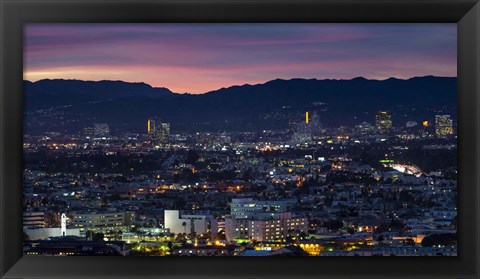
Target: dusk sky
(197, 58)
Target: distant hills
(57, 92)
(269, 105)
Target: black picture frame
(14, 14)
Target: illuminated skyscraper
(101, 130)
(315, 124)
(443, 126)
(88, 132)
(159, 132)
(303, 131)
(383, 121)
(163, 133)
(149, 126)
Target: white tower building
(64, 225)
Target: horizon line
(236, 85)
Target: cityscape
(289, 167)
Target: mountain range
(270, 105)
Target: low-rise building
(262, 220)
(179, 223)
(36, 233)
(103, 221)
(33, 219)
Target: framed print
(240, 139)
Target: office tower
(159, 132)
(411, 124)
(303, 131)
(383, 121)
(443, 126)
(101, 130)
(163, 133)
(88, 132)
(149, 125)
(315, 124)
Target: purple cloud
(200, 57)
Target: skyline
(197, 58)
(310, 160)
(229, 86)
(266, 106)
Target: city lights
(252, 147)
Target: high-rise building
(383, 121)
(303, 131)
(88, 132)
(443, 126)
(411, 124)
(316, 125)
(163, 133)
(101, 130)
(159, 132)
